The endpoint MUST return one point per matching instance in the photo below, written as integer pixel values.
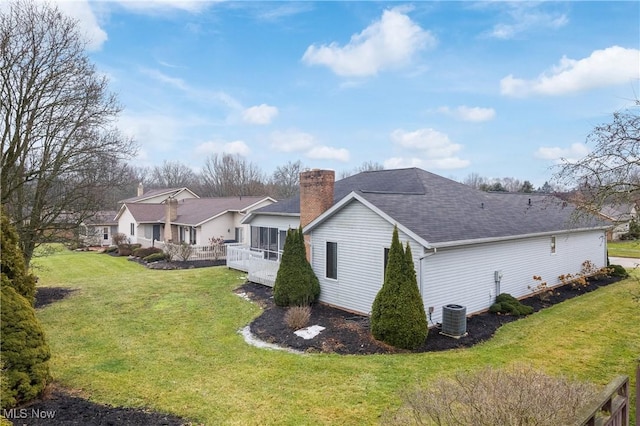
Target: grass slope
(168, 341)
(624, 248)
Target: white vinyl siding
(465, 275)
(456, 275)
(362, 236)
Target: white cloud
(193, 92)
(524, 17)
(433, 148)
(390, 42)
(88, 25)
(442, 163)
(328, 153)
(611, 66)
(235, 147)
(260, 114)
(291, 141)
(155, 6)
(473, 114)
(575, 152)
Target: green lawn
(168, 341)
(624, 248)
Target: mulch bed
(345, 333)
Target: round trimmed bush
(25, 353)
(618, 271)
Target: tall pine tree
(397, 314)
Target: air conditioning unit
(454, 320)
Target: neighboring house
(99, 230)
(468, 245)
(191, 220)
(621, 215)
(157, 196)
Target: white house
(621, 214)
(468, 245)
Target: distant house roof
(103, 217)
(192, 211)
(622, 212)
(169, 192)
(196, 211)
(438, 210)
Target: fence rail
(611, 408)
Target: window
(132, 230)
(385, 260)
(192, 236)
(266, 239)
(332, 260)
(105, 233)
(553, 244)
(239, 237)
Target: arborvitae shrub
(12, 264)
(25, 353)
(397, 314)
(296, 284)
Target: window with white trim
(332, 260)
(553, 244)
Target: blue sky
(454, 87)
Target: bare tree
(231, 175)
(611, 171)
(285, 180)
(57, 126)
(367, 166)
(474, 180)
(172, 174)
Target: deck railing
(252, 261)
(611, 408)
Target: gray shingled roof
(194, 211)
(440, 210)
(191, 211)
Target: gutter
(435, 250)
(512, 237)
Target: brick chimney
(140, 189)
(170, 215)
(316, 197)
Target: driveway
(627, 262)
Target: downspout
(420, 274)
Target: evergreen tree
(24, 352)
(397, 314)
(296, 284)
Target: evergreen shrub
(13, 268)
(296, 284)
(146, 251)
(618, 271)
(154, 257)
(25, 353)
(397, 315)
(507, 304)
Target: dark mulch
(347, 333)
(62, 408)
(179, 264)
